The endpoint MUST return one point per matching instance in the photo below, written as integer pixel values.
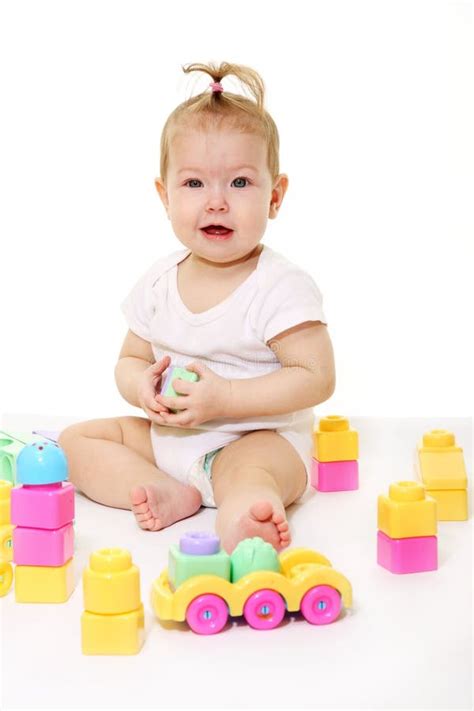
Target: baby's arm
(135, 357)
(306, 378)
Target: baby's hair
(216, 109)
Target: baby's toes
(278, 518)
(146, 525)
(143, 516)
(285, 536)
(283, 526)
(155, 524)
(140, 508)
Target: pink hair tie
(216, 86)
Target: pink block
(335, 476)
(407, 555)
(42, 506)
(40, 546)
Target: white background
(374, 105)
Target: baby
(246, 320)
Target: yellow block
(452, 504)
(34, 583)
(334, 441)
(6, 542)
(113, 634)
(407, 511)
(5, 497)
(6, 577)
(441, 462)
(111, 583)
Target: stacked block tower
(113, 621)
(335, 453)
(42, 510)
(6, 539)
(440, 467)
(407, 523)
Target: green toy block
(182, 566)
(173, 373)
(9, 451)
(11, 444)
(253, 554)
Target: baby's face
(220, 178)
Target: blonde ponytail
(211, 109)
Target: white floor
(406, 644)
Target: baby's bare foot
(262, 519)
(157, 506)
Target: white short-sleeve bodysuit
(230, 338)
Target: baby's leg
(111, 461)
(254, 478)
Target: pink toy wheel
(321, 605)
(207, 614)
(264, 610)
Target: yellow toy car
(204, 585)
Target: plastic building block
(6, 542)
(440, 467)
(305, 580)
(442, 462)
(335, 476)
(113, 619)
(44, 584)
(111, 583)
(334, 441)
(174, 372)
(252, 554)
(407, 512)
(41, 463)
(407, 555)
(199, 543)
(182, 566)
(6, 577)
(6, 528)
(9, 451)
(452, 504)
(113, 634)
(5, 499)
(44, 506)
(39, 546)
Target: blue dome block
(41, 463)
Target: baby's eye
(241, 178)
(193, 180)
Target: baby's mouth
(216, 230)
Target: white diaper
(200, 476)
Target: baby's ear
(161, 187)
(162, 192)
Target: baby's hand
(198, 402)
(148, 385)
